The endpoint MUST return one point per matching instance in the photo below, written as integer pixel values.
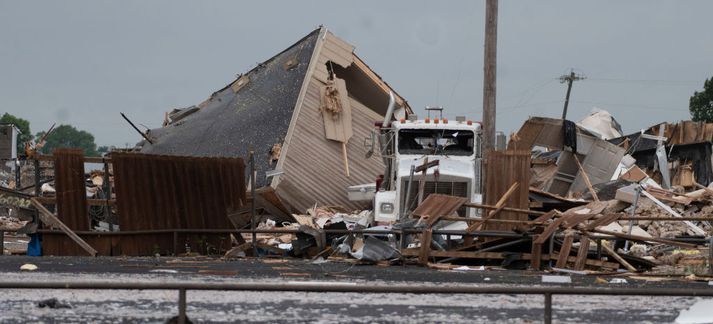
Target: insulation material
(601, 123)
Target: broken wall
(314, 163)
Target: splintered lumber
(500, 205)
(586, 178)
(604, 220)
(591, 262)
(582, 253)
(618, 257)
(50, 219)
(423, 255)
(564, 251)
(669, 196)
(437, 206)
(545, 217)
(644, 238)
(549, 230)
(536, 255)
(665, 207)
(699, 186)
(508, 209)
(573, 220)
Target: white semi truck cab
(408, 143)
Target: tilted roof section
(253, 111)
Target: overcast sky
(83, 62)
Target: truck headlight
(386, 208)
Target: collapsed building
(302, 116)
(305, 114)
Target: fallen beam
(618, 257)
(90, 202)
(50, 219)
(508, 209)
(643, 238)
(665, 207)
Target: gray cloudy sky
(82, 62)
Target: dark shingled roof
(229, 123)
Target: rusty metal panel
(71, 189)
(503, 168)
(167, 192)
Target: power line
(649, 81)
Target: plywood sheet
(337, 126)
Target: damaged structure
(304, 113)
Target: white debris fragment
(163, 271)
(467, 268)
(556, 279)
(28, 267)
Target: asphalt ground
(97, 306)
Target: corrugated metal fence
(154, 193)
(71, 188)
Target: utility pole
(569, 79)
(489, 75)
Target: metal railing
(341, 287)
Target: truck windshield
(436, 141)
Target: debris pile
(593, 205)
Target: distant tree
(101, 150)
(23, 125)
(68, 136)
(701, 103)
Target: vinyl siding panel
(314, 166)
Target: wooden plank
(586, 178)
(603, 221)
(618, 257)
(564, 251)
(90, 202)
(573, 220)
(699, 186)
(424, 253)
(644, 238)
(510, 209)
(536, 255)
(545, 217)
(50, 219)
(582, 253)
(500, 204)
(549, 230)
(87, 159)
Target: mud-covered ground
(107, 306)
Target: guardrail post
(548, 308)
(182, 306)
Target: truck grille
(452, 188)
